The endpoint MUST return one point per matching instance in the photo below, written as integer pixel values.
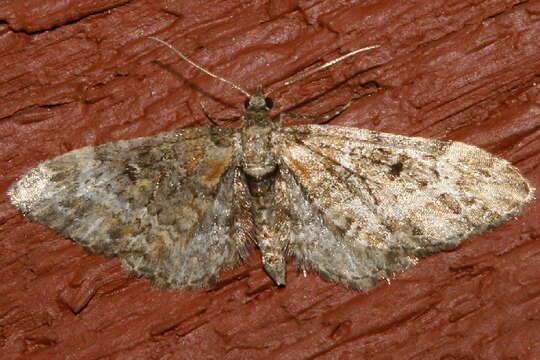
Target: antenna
(200, 67)
(286, 83)
(323, 66)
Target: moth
(353, 205)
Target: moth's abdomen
(269, 234)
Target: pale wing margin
(380, 201)
(172, 206)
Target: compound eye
(269, 103)
(246, 103)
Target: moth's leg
(326, 117)
(213, 120)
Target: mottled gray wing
(369, 204)
(172, 206)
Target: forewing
(377, 202)
(171, 206)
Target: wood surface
(76, 73)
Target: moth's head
(258, 101)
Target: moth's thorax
(259, 117)
(258, 159)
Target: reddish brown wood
(75, 73)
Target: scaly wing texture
(172, 206)
(370, 203)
